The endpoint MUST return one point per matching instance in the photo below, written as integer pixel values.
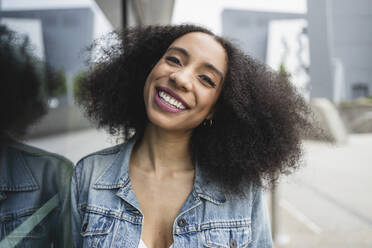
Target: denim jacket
(106, 213)
(34, 197)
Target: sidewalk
(328, 202)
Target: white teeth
(167, 98)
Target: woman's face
(182, 88)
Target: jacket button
(84, 227)
(135, 212)
(181, 222)
(233, 243)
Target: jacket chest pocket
(95, 230)
(226, 234)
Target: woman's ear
(210, 115)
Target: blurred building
(123, 13)
(351, 43)
(258, 34)
(340, 43)
(250, 29)
(65, 33)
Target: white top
(142, 245)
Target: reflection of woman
(205, 126)
(34, 184)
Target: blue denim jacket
(34, 197)
(106, 213)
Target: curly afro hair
(25, 81)
(259, 117)
(21, 102)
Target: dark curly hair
(258, 121)
(23, 80)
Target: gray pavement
(326, 204)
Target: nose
(182, 78)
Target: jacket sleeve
(260, 222)
(76, 217)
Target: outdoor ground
(328, 203)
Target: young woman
(205, 126)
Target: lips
(173, 94)
(169, 101)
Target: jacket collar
(15, 174)
(117, 176)
(207, 189)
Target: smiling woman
(185, 81)
(205, 128)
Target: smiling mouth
(168, 99)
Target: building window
(360, 90)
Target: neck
(163, 152)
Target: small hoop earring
(207, 123)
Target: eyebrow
(206, 64)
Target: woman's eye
(208, 80)
(173, 60)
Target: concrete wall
(357, 117)
(249, 29)
(352, 41)
(61, 120)
(341, 29)
(66, 33)
(319, 31)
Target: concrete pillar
(320, 36)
